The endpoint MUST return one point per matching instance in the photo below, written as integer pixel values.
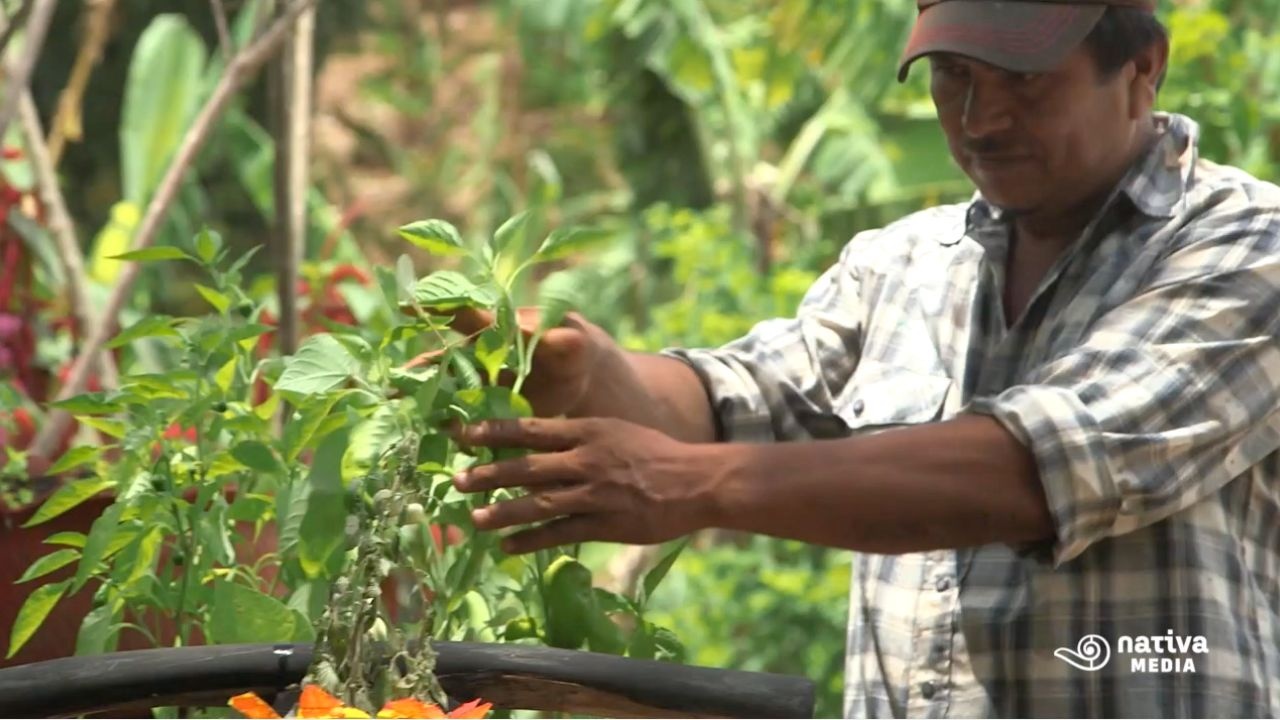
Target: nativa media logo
(1166, 653)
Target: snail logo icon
(1091, 654)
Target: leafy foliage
(370, 553)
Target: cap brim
(1017, 36)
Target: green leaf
(409, 382)
(208, 243)
(321, 534)
(479, 616)
(67, 497)
(369, 440)
(89, 404)
(97, 631)
(219, 301)
(113, 428)
(291, 508)
(243, 260)
(157, 386)
(406, 278)
(322, 364)
(655, 575)
(150, 326)
(435, 236)
(641, 645)
(160, 98)
(256, 456)
(148, 549)
(446, 290)
(53, 561)
(492, 401)
(513, 230)
(33, 613)
(227, 374)
(153, 254)
(566, 241)
(301, 433)
(70, 538)
(101, 534)
(492, 350)
(76, 457)
(465, 371)
(557, 295)
(669, 648)
(250, 508)
(215, 536)
(243, 615)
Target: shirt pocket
(883, 395)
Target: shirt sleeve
(1171, 395)
(778, 381)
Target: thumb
(469, 320)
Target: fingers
(557, 533)
(538, 434)
(533, 472)
(537, 507)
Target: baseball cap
(1018, 35)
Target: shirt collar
(1156, 184)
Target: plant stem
(16, 81)
(220, 22)
(66, 124)
(62, 229)
(244, 64)
(189, 562)
(11, 23)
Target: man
(1047, 421)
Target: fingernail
(461, 480)
(479, 516)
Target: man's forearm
(652, 390)
(960, 483)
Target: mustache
(989, 146)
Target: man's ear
(1149, 70)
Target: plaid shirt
(1145, 378)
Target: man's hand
(593, 480)
(564, 363)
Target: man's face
(1034, 143)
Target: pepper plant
(339, 525)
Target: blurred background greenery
(733, 145)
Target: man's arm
(961, 483)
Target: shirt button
(928, 689)
(859, 406)
(944, 583)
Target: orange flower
(410, 708)
(316, 703)
(473, 709)
(252, 706)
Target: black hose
(212, 674)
